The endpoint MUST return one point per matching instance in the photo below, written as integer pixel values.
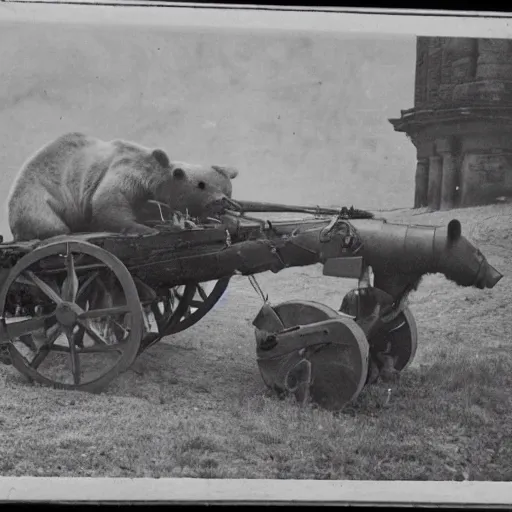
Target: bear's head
(201, 190)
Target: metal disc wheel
(184, 306)
(65, 330)
(338, 370)
(401, 336)
(398, 338)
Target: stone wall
(461, 123)
(455, 71)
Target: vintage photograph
(254, 254)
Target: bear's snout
(221, 204)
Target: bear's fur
(79, 183)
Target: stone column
(444, 147)
(421, 191)
(435, 171)
(449, 182)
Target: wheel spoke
(119, 326)
(44, 287)
(79, 337)
(172, 300)
(196, 303)
(86, 283)
(41, 355)
(201, 292)
(70, 284)
(98, 313)
(17, 329)
(92, 333)
(156, 311)
(79, 258)
(75, 361)
(23, 280)
(43, 351)
(177, 294)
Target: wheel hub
(67, 313)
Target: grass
(195, 405)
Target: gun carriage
(52, 333)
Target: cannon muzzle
(489, 278)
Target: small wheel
(338, 370)
(54, 324)
(402, 336)
(185, 305)
(398, 339)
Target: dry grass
(195, 405)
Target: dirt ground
(195, 405)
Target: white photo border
(467, 494)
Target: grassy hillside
(303, 117)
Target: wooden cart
(51, 333)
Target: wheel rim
(403, 339)
(193, 303)
(66, 323)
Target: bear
(79, 183)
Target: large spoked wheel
(338, 370)
(184, 306)
(65, 331)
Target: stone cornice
(414, 119)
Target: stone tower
(461, 123)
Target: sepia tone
(461, 121)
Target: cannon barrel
(395, 248)
(426, 249)
(261, 207)
(390, 248)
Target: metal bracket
(318, 333)
(345, 267)
(396, 308)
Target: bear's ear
(161, 157)
(178, 173)
(454, 230)
(229, 172)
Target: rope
(257, 288)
